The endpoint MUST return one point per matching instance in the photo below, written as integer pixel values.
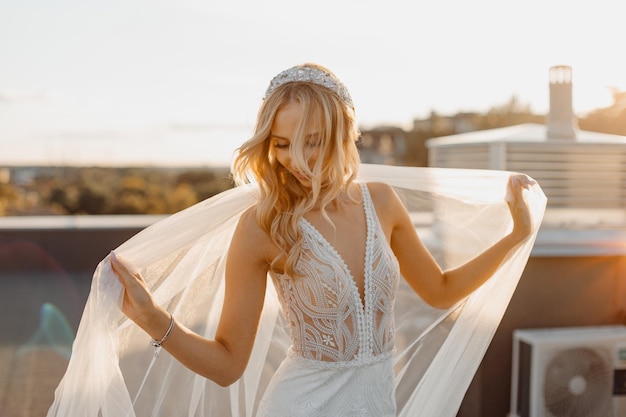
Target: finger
(124, 264)
(117, 266)
(519, 183)
(513, 190)
(525, 181)
(124, 270)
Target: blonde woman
(335, 251)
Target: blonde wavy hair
(283, 200)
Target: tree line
(108, 190)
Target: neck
(345, 196)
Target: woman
(335, 250)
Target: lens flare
(54, 333)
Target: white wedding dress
(340, 360)
(346, 357)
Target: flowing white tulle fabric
(113, 371)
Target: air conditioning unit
(569, 372)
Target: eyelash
(311, 144)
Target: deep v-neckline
(360, 295)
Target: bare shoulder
(383, 195)
(248, 224)
(251, 239)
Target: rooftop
(524, 133)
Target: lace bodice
(330, 324)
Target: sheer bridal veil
(113, 371)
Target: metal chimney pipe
(561, 123)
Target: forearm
(461, 281)
(223, 359)
(209, 358)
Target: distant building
(437, 124)
(394, 145)
(383, 145)
(576, 169)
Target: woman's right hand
(137, 303)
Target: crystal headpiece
(307, 74)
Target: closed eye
(280, 143)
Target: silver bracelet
(156, 344)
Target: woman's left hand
(520, 212)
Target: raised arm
(437, 287)
(223, 359)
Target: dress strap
(368, 205)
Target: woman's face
(281, 134)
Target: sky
(133, 80)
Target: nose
(287, 157)
(286, 160)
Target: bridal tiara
(308, 74)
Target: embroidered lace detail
(328, 320)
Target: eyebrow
(278, 137)
(310, 135)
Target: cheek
(281, 156)
(313, 156)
